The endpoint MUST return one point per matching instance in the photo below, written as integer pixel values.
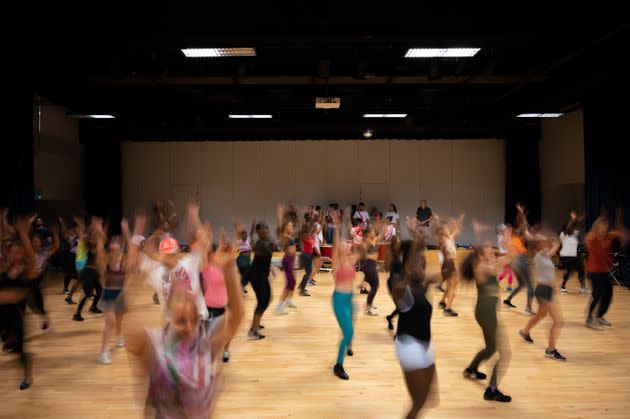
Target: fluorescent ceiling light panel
(90, 116)
(539, 115)
(218, 52)
(441, 52)
(250, 116)
(385, 115)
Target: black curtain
(17, 190)
(103, 182)
(607, 171)
(522, 172)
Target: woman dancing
(307, 236)
(42, 256)
(16, 273)
(89, 276)
(413, 334)
(504, 234)
(258, 276)
(520, 265)
(482, 267)
(344, 273)
(569, 253)
(445, 235)
(546, 275)
(69, 254)
(369, 255)
(184, 372)
(244, 246)
(287, 242)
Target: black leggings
(36, 299)
(12, 328)
(260, 283)
(572, 264)
(602, 293)
(371, 277)
(90, 280)
(486, 316)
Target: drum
(326, 250)
(383, 252)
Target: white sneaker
(281, 310)
(371, 311)
(585, 291)
(120, 342)
(291, 304)
(104, 359)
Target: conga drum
(384, 250)
(326, 250)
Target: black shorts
(543, 293)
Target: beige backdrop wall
(247, 179)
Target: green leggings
(342, 305)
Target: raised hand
(23, 224)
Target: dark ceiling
(128, 62)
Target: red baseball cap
(169, 246)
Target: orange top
(516, 245)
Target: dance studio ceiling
(129, 63)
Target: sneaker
(95, 310)
(442, 305)
(253, 335)
(104, 359)
(496, 395)
(65, 292)
(450, 313)
(371, 311)
(312, 282)
(291, 304)
(364, 291)
(260, 326)
(590, 323)
(281, 310)
(390, 325)
(508, 303)
(69, 300)
(120, 342)
(26, 383)
(509, 289)
(529, 311)
(563, 288)
(585, 291)
(339, 372)
(304, 293)
(77, 318)
(603, 321)
(350, 352)
(526, 337)
(474, 374)
(226, 356)
(554, 355)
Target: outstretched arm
(23, 225)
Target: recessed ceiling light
(384, 115)
(250, 116)
(218, 52)
(441, 52)
(90, 116)
(539, 115)
(367, 133)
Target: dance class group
(200, 285)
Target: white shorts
(413, 354)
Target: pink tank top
(345, 274)
(215, 291)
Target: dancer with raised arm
(445, 235)
(244, 246)
(570, 239)
(286, 242)
(258, 276)
(89, 275)
(482, 267)
(344, 273)
(181, 359)
(42, 256)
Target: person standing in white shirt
(362, 214)
(393, 213)
(569, 238)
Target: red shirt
(308, 243)
(599, 249)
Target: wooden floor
(289, 374)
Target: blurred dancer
(344, 274)
(599, 242)
(16, 273)
(181, 360)
(307, 237)
(520, 265)
(89, 275)
(545, 275)
(502, 240)
(317, 253)
(244, 246)
(69, 254)
(482, 267)
(369, 255)
(258, 276)
(287, 242)
(413, 335)
(445, 235)
(42, 256)
(569, 238)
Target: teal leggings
(342, 305)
